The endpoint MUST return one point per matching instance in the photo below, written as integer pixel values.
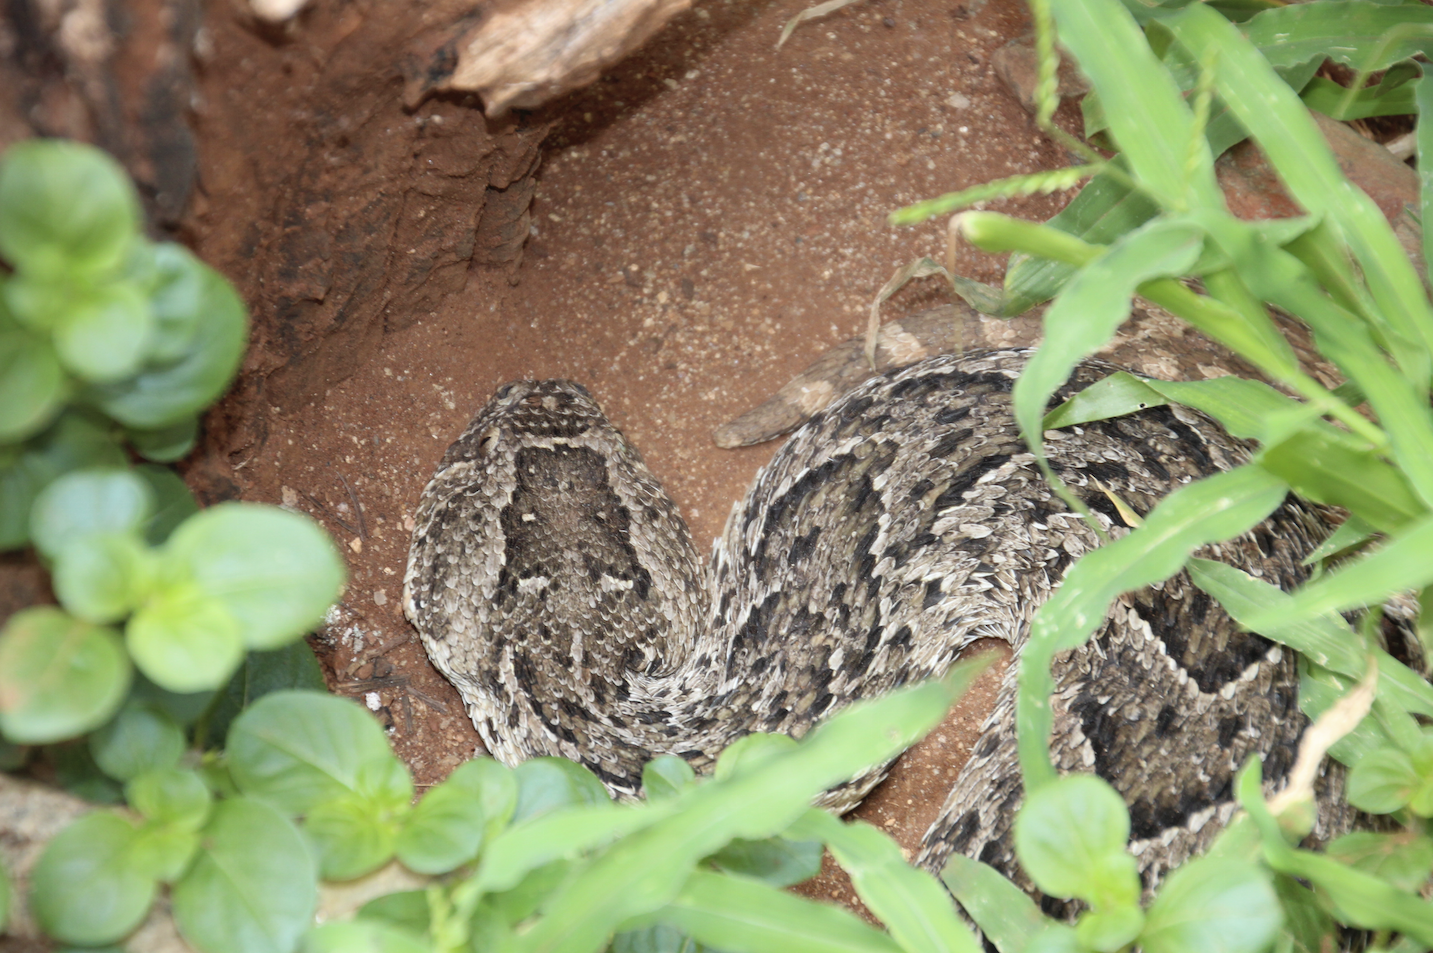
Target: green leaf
(1403, 858)
(363, 936)
(65, 208)
(666, 776)
(33, 387)
(178, 301)
(446, 829)
(408, 909)
(253, 887)
(1423, 133)
(101, 577)
(352, 835)
(162, 851)
(165, 393)
(173, 503)
(84, 502)
(74, 441)
(1004, 913)
(173, 796)
(1070, 837)
(910, 902)
(730, 913)
(295, 749)
(85, 889)
(141, 739)
(59, 677)
(750, 751)
(1382, 782)
(1213, 903)
(276, 571)
(545, 784)
(104, 333)
(184, 640)
(657, 938)
(774, 860)
(1349, 32)
(261, 673)
(1109, 931)
(165, 444)
(1323, 467)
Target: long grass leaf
(1004, 913)
(1349, 32)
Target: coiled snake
(555, 584)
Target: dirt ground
(708, 218)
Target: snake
(555, 584)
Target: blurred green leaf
(1070, 836)
(910, 902)
(1347, 31)
(86, 889)
(1402, 858)
(59, 677)
(1004, 913)
(165, 444)
(352, 835)
(731, 913)
(556, 836)
(1382, 782)
(65, 207)
(363, 936)
(1383, 99)
(74, 441)
(775, 860)
(292, 666)
(277, 572)
(84, 502)
(101, 577)
(138, 740)
(1213, 903)
(295, 749)
(1423, 135)
(179, 301)
(184, 640)
(446, 829)
(33, 387)
(545, 784)
(408, 909)
(173, 503)
(173, 796)
(666, 776)
(657, 938)
(104, 333)
(1323, 468)
(253, 887)
(166, 392)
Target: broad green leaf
(408, 909)
(139, 740)
(104, 333)
(275, 571)
(352, 836)
(657, 938)
(1004, 913)
(1108, 930)
(85, 889)
(545, 784)
(778, 861)
(645, 869)
(85, 502)
(749, 751)
(261, 673)
(74, 441)
(666, 776)
(294, 749)
(1403, 858)
(363, 936)
(910, 902)
(1217, 508)
(162, 851)
(1322, 467)
(65, 208)
(1382, 782)
(165, 393)
(1348, 32)
(59, 677)
(185, 640)
(1404, 562)
(1385, 99)
(253, 887)
(101, 577)
(445, 830)
(33, 387)
(1070, 836)
(173, 796)
(179, 301)
(165, 444)
(731, 913)
(1211, 903)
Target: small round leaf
(1382, 781)
(33, 387)
(103, 576)
(184, 641)
(1065, 832)
(295, 749)
(65, 207)
(166, 444)
(666, 776)
(1222, 904)
(545, 784)
(173, 796)
(276, 571)
(141, 739)
(351, 836)
(86, 888)
(444, 831)
(59, 677)
(252, 888)
(103, 336)
(178, 301)
(101, 500)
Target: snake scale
(557, 587)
